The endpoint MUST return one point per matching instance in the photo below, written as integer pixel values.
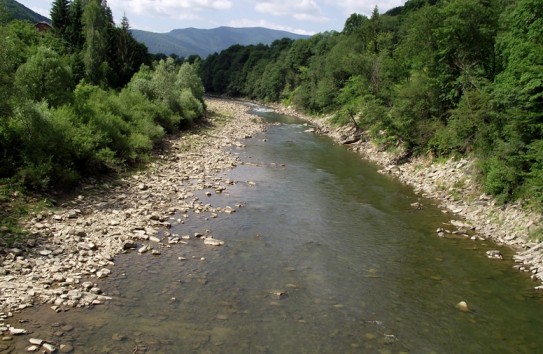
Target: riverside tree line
(85, 98)
(438, 77)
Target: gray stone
(16, 251)
(127, 245)
(213, 241)
(494, 254)
(66, 348)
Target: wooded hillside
(439, 77)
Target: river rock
(213, 241)
(36, 341)
(17, 331)
(129, 245)
(350, 139)
(494, 254)
(16, 251)
(462, 306)
(66, 348)
(49, 348)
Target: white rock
(36, 341)
(48, 347)
(16, 331)
(213, 241)
(463, 306)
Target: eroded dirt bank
(453, 184)
(73, 246)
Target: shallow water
(356, 268)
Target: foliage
(77, 101)
(440, 77)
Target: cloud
(302, 10)
(365, 6)
(263, 23)
(180, 9)
(40, 10)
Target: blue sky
(299, 16)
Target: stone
(494, 254)
(350, 139)
(16, 251)
(213, 241)
(36, 341)
(129, 245)
(463, 306)
(32, 348)
(49, 348)
(66, 348)
(58, 277)
(17, 331)
(154, 239)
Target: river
(325, 255)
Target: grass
(16, 203)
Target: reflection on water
(325, 256)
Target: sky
(298, 16)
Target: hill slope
(18, 11)
(188, 41)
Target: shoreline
(452, 184)
(73, 246)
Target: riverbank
(453, 184)
(71, 247)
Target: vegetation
(12, 10)
(84, 98)
(438, 77)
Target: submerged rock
(463, 306)
(494, 254)
(213, 241)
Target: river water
(324, 256)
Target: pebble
(463, 306)
(36, 341)
(213, 241)
(66, 348)
(49, 348)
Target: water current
(325, 256)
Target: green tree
(45, 76)
(95, 23)
(74, 31)
(60, 17)
(518, 96)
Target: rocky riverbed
(453, 184)
(74, 245)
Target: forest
(84, 98)
(441, 78)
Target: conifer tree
(60, 16)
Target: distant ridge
(203, 42)
(20, 12)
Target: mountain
(20, 12)
(188, 41)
